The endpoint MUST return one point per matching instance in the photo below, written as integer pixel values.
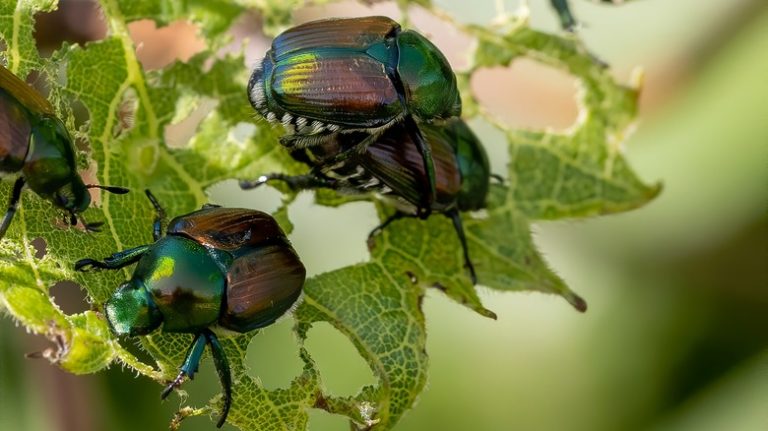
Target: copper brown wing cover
(355, 33)
(228, 229)
(15, 131)
(261, 286)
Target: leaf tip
(577, 301)
(487, 313)
(655, 190)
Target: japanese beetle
(215, 267)
(341, 75)
(391, 166)
(35, 144)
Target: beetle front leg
(12, 205)
(429, 167)
(567, 20)
(295, 182)
(222, 369)
(116, 261)
(190, 365)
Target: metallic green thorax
(429, 82)
(176, 283)
(50, 168)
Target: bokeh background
(676, 337)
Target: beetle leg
(567, 20)
(296, 141)
(89, 227)
(116, 261)
(429, 166)
(190, 365)
(380, 228)
(157, 227)
(499, 179)
(295, 182)
(12, 205)
(222, 368)
(456, 219)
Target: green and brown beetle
(336, 76)
(215, 267)
(35, 144)
(391, 166)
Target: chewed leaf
(376, 304)
(378, 307)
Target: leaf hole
(229, 194)
(247, 27)
(72, 21)
(528, 94)
(70, 297)
(41, 247)
(273, 355)
(81, 116)
(190, 112)
(329, 238)
(343, 371)
(321, 420)
(159, 47)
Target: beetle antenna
(112, 189)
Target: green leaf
(376, 304)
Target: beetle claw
(93, 227)
(173, 385)
(85, 264)
(246, 185)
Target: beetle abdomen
(261, 286)
(15, 131)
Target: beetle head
(131, 311)
(73, 196)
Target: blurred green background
(676, 337)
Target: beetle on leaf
(215, 267)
